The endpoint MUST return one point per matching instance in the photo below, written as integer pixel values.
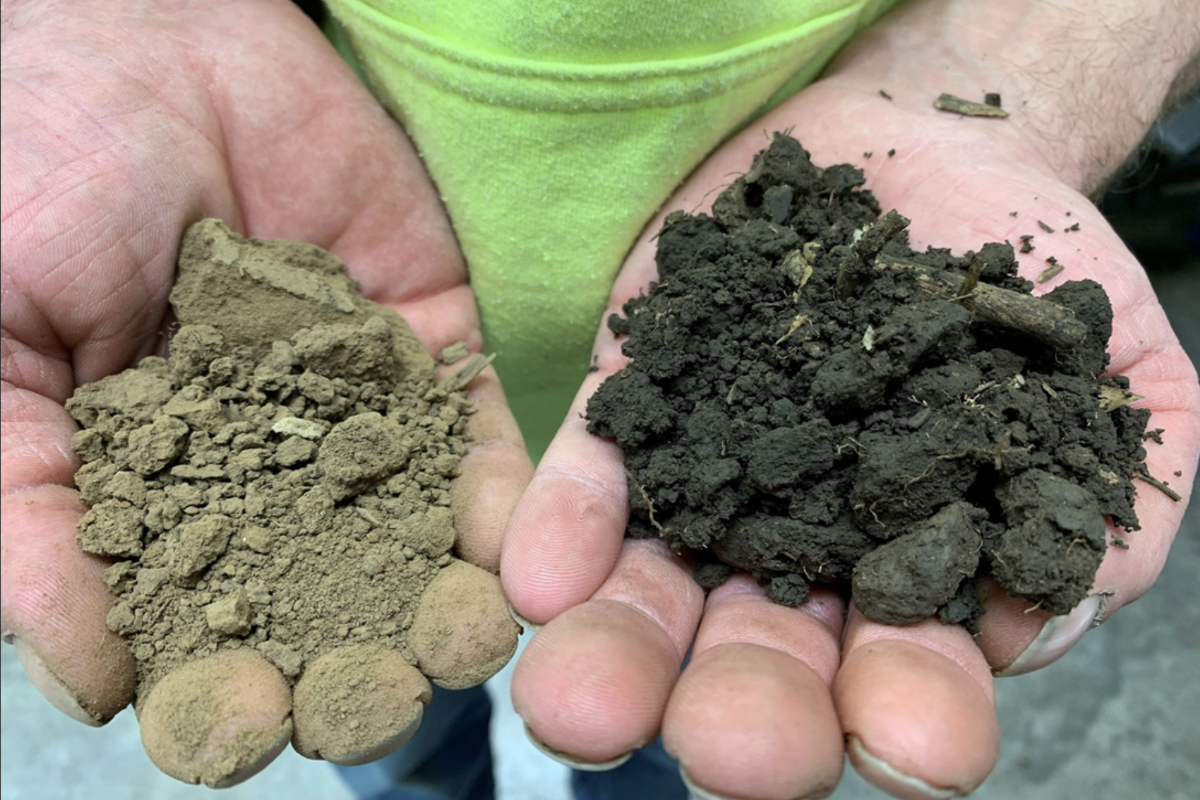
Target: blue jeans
(450, 758)
(649, 774)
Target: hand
(122, 124)
(770, 694)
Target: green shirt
(554, 130)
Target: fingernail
(524, 623)
(1058, 635)
(49, 685)
(571, 761)
(697, 792)
(250, 770)
(893, 781)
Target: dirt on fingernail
(281, 482)
(813, 402)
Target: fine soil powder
(812, 401)
(281, 481)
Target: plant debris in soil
(281, 481)
(1051, 271)
(969, 108)
(812, 401)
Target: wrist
(1083, 79)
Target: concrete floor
(1117, 718)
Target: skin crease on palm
(120, 147)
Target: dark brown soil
(812, 401)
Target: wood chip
(1049, 272)
(460, 379)
(967, 108)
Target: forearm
(1083, 79)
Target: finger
(1017, 637)
(566, 531)
(54, 606)
(53, 600)
(462, 633)
(356, 704)
(917, 707)
(218, 720)
(492, 475)
(752, 716)
(591, 686)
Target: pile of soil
(281, 481)
(810, 400)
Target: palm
(119, 129)
(243, 112)
(768, 694)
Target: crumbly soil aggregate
(812, 401)
(281, 481)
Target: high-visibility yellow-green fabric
(554, 130)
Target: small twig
(1049, 272)
(968, 108)
(872, 241)
(1157, 484)
(468, 373)
(1035, 316)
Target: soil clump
(282, 481)
(810, 400)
